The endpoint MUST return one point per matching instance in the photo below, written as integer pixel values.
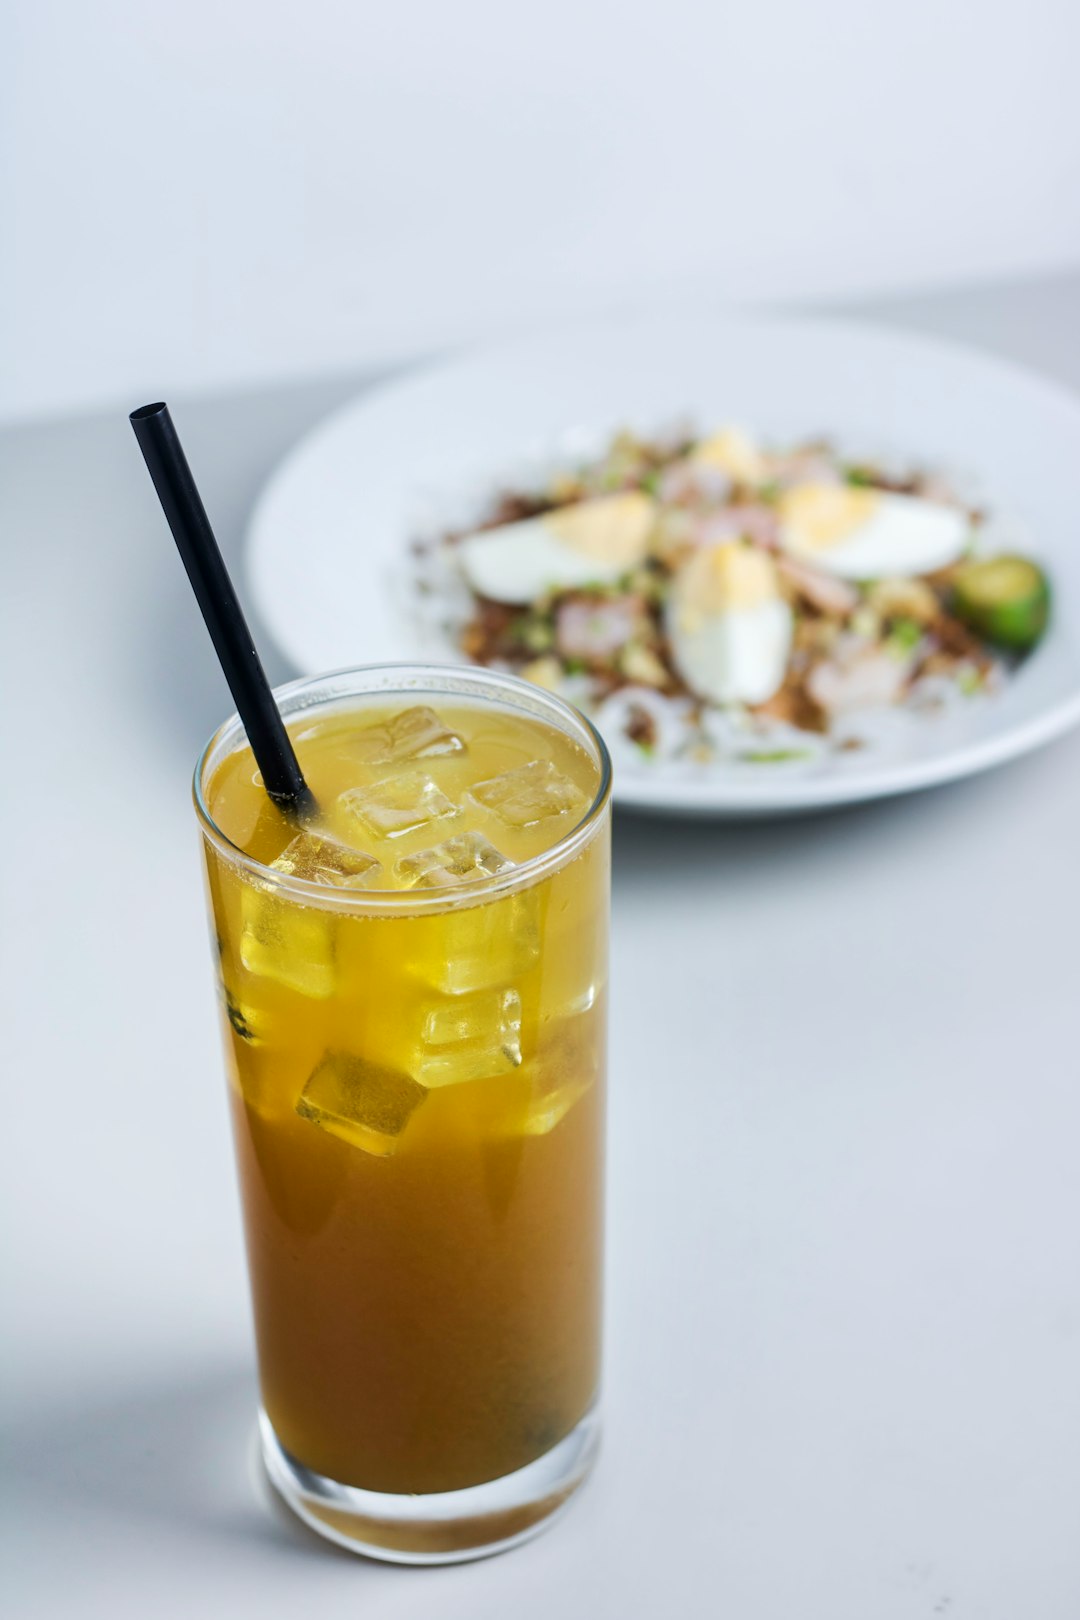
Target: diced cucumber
(1006, 600)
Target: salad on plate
(710, 599)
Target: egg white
(898, 535)
(729, 628)
(736, 657)
(595, 542)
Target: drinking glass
(416, 1080)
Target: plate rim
(719, 798)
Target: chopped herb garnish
(775, 756)
(532, 632)
(236, 1017)
(904, 637)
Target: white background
(212, 193)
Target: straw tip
(144, 412)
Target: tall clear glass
(416, 1080)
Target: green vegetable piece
(533, 632)
(904, 637)
(775, 756)
(1005, 600)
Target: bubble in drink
(389, 809)
(362, 1103)
(471, 1037)
(528, 793)
(413, 734)
(461, 859)
(291, 943)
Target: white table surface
(843, 1366)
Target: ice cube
(470, 1037)
(397, 806)
(363, 1103)
(567, 1065)
(528, 793)
(552, 1104)
(416, 733)
(461, 859)
(289, 943)
(479, 947)
(319, 859)
(293, 943)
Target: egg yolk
(821, 516)
(735, 453)
(614, 529)
(724, 578)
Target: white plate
(329, 538)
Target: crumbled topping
(758, 525)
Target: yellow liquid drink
(414, 998)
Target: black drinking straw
(180, 501)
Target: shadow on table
(183, 1457)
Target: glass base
(447, 1528)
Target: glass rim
(457, 679)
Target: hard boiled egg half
(728, 625)
(735, 453)
(869, 533)
(592, 543)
